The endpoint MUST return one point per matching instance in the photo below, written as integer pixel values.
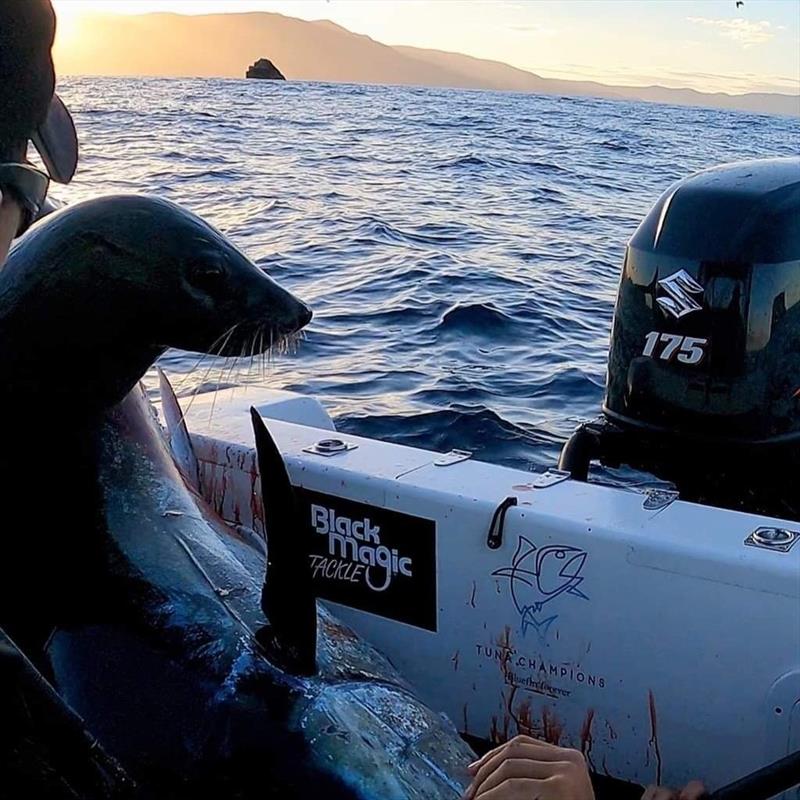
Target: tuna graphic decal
(538, 575)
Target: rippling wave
(460, 249)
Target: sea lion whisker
(242, 366)
(244, 380)
(227, 336)
(255, 358)
(223, 340)
(211, 353)
(227, 339)
(196, 389)
(235, 374)
(216, 391)
(287, 346)
(234, 368)
(212, 364)
(262, 355)
(252, 355)
(261, 373)
(217, 353)
(223, 377)
(190, 372)
(226, 359)
(269, 349)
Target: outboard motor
(703, 385)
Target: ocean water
(460, 249)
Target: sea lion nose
(305, 315)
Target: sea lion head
(109, 284)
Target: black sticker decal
(372, 559)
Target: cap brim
(57, 142)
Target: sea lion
(89, 298)
(107, 285)
(155, 632)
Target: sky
(709, 45)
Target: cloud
(741, 31)
(542, 30)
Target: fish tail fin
(540, 626)
(287, 598)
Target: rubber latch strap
(495, 537)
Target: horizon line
(786, 94)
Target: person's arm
(10, 219)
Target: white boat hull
(655, 640)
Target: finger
(512, 768)
(694, 790)
(520, 748)
(549, 752)
(517, 789)
(526, 749)
(475, 765)
(522, 739)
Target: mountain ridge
(222, 45)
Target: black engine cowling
(703, 380)
(706, 337)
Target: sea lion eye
(207, 276)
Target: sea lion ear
(287, 599)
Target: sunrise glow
(708, 45)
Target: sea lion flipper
(288, 597)
(179, 441)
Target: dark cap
(29, 108)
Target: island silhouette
(264, 69)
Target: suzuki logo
(679, 288)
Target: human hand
(693, 790)
(528, 769)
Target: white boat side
(655, 640)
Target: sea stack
(266, 70)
